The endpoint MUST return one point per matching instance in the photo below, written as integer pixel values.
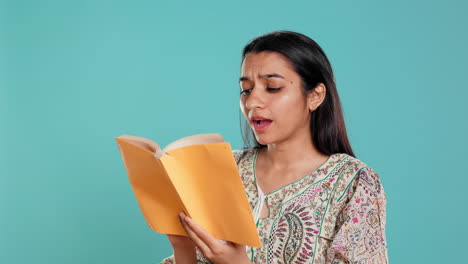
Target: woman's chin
(262, 140)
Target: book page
(194, 140)
(208, 182)
(157, 198)
(144, 143)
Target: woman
(313, 201)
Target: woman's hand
(219, 252)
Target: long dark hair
(327, 124)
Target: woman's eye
(272, 89)
(245, 92)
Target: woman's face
(271, 98)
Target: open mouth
(260, 124)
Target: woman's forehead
(265, 58)
(266, 64)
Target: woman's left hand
(219, 252)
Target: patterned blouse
(335, 214)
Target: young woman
(313, 201)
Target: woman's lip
(253, 118)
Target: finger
(193, 236)
(202, 234)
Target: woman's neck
(292, 153)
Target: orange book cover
(197, 175)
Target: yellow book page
(156, 195)
(209, 184)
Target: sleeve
(360, 236)
(168, 260)
(200, 259)
(239, 154)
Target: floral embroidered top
(334, 214)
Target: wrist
(246, 260)
(183, 248)
(185, 255)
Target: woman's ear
(316, 96)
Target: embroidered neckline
(254, 167)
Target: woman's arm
(210, 248)
(184, 251)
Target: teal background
(76, 74)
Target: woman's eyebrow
(263, 76)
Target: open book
(197, 175)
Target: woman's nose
(254, 100)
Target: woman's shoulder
(351, 162)
(358, 172)
(239, 154)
